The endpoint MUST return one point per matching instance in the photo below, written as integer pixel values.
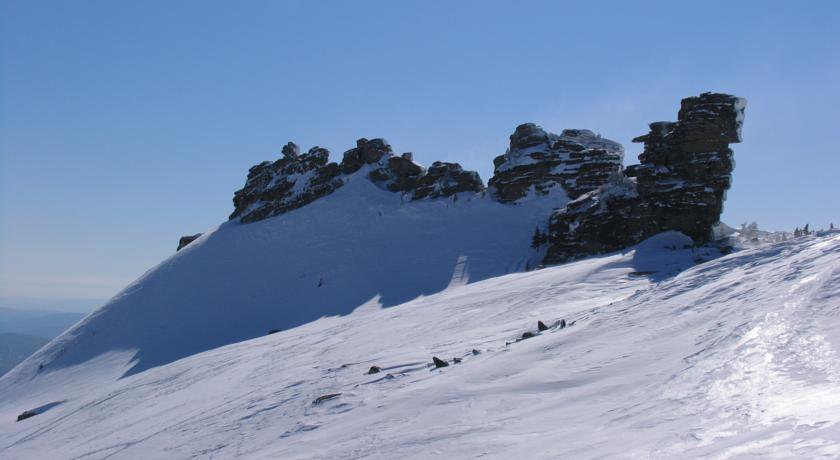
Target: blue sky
(124, 125)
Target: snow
(662, 357)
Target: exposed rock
(475, 352)
(366, 152)
(538, 162)
(562, 324)
(374, 370)
(326, 397)
(680, 184)
(185, 240)
(456, 360)
(541, 326)
(527, 335)
(296, 180)
(439, 362)
(26, 414)
(446, 179)
(288, 183)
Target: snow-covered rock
(286, 184)
(296, 180)
(538, 162)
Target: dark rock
(326, 397)
(562, 324)
(273, 331)
(577, 161)
(475, 352)
(541, 326)
(456, 360)
(374, 370)
(288, 183)
(439, 362)
(366, 152)
(185, 240)
(398, 174)
(446, 179)
(680, 184)
(527, 335)
(26, 414)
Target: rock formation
(296, 180)
(288, 183)
(680, 184)
(537, 162)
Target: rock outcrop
(185, 240)
(537, 162)
(298, 179)
(288, 183)
(446, 179)
(680, 184)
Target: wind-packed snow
(735, 357)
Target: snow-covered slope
(736, 356)
(359, 247)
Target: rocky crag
(298, 179)
(538, 162)
(680, 183)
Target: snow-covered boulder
(538, 162)
(680, 184)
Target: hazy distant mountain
(14, 348)
(22, 332)
(41, 323)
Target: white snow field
(669, 351)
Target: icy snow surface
(733, 357)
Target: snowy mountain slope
(734, 357)
(358, 246)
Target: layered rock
(298, 179)
(680, 184)
(538, 162)
(288, 183)
(446, 179)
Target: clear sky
(124, 125)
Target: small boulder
(528, 335)
(185, 240)
(374, 370)
(456, 360)
(439, 362)
(541, 326)
(475, 352)
(26, 414)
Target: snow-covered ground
(669, 352)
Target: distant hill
(22, 332)
(14, 348)
(40, 323)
